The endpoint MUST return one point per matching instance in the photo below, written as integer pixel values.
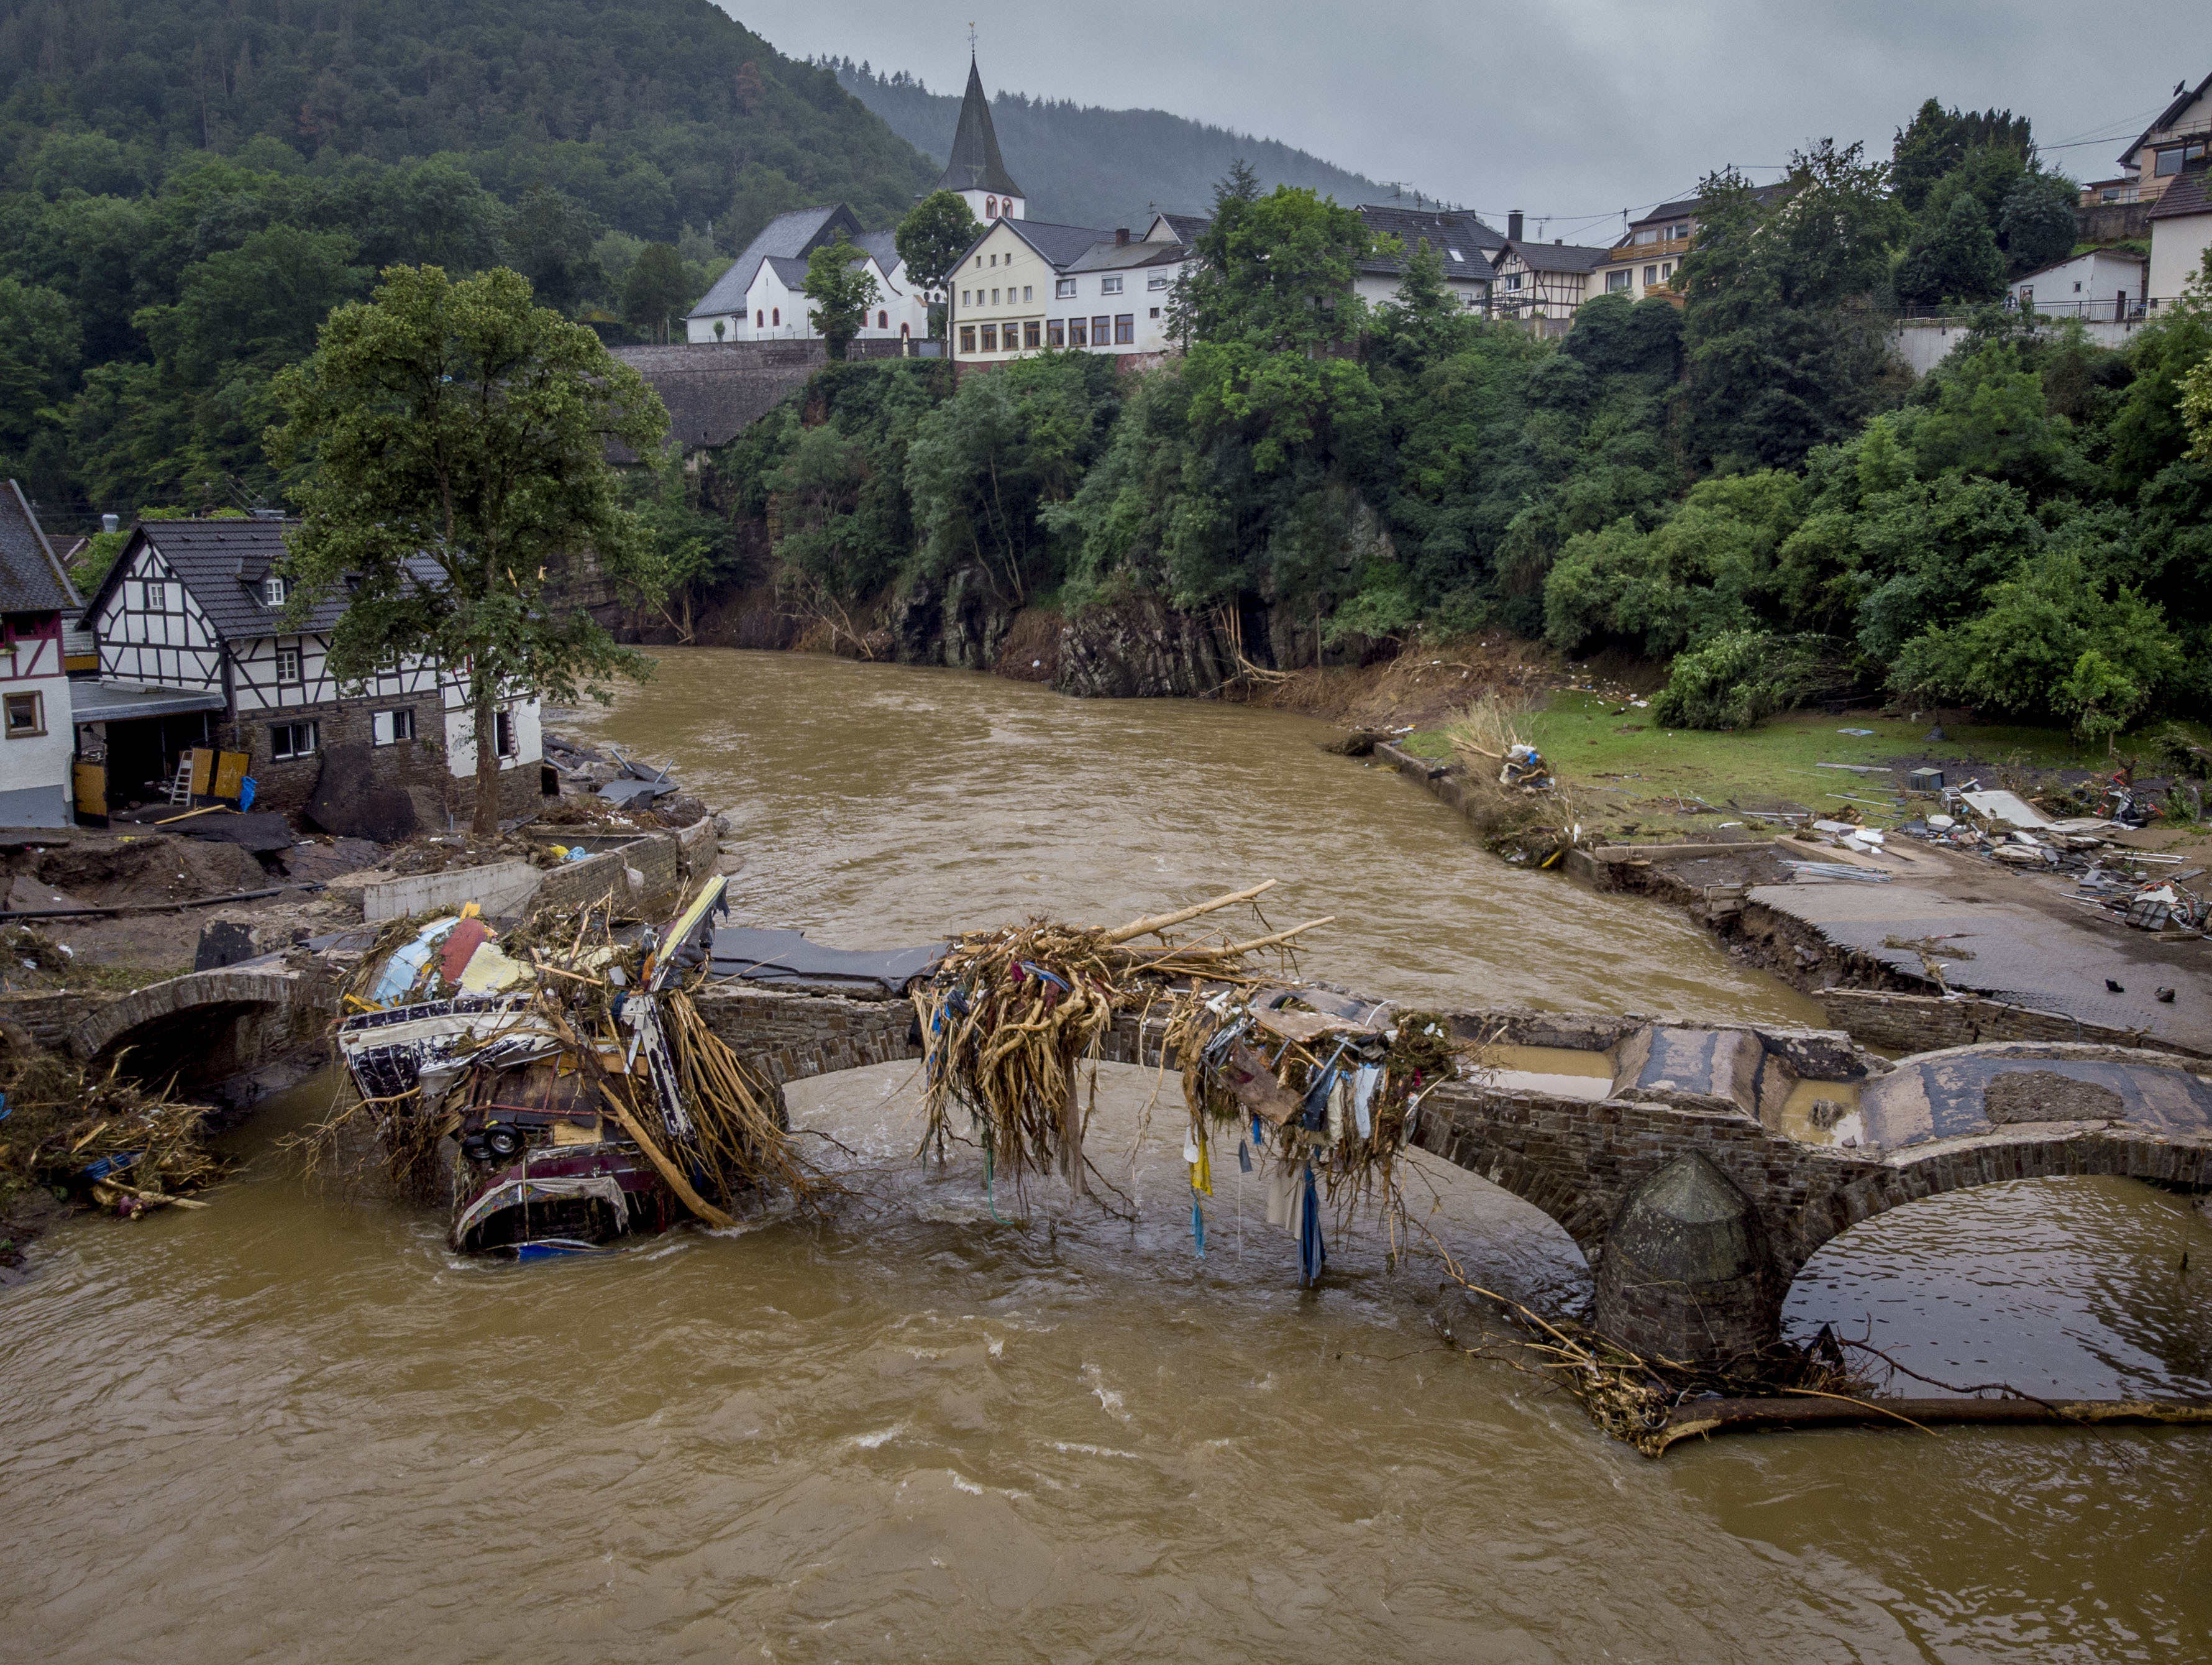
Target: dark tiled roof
(2167, 118)
(2188, 194)
(790, 236)
(32, 579)
(1061, 245)
(1558, 257)
(1124, 257)
(1187, 227)
(976, 163)
(222, 563)
(1462, 240)
(1688, 207)
(882, 245)
(792, 272)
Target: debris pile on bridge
(1321, 1088)
(1008, 1014)
(558, 1082)
(104, 1139)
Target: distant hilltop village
(1029, 286)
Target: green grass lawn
(1624, 770)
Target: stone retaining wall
(1901, 1023)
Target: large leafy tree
(550, 242)
(1786, 351)
(931, 241)
(1955, 259)
(657, 290)
(448, 443)
(1937, 140)
(842, 288)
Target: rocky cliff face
(957, 621)
(1139, 650)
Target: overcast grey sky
(1572, 109)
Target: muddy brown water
(949, 1424)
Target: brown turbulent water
(944, 1424)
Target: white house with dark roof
(1464, 244)
(1543, 284)
(1028, 286)
(1642, 265)
(761, 297)
(36, 746)
(195, 649)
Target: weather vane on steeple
(971, 42)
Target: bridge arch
(205, 1029)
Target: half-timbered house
(35, 593)
(197, 606)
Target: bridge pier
(1686, 1274)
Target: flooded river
(944, 1424)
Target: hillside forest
(1085, 166)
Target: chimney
(1558, 242)
(1121, 237)
(1513, 225)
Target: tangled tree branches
(104, 1139)
(1009, 1013)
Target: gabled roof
(222, 563)
(976, 163)
(2120, 255)
(1061, 246)
(790, 236)
(2188, 194)
(1558, 257)
(1187, 228)
(883, 248)
(1459, 239)
(1110, 256)
(2167, 118)
(32, 578)
(1689, 207)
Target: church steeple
(976, 170)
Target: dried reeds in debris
(1010, 1013)
(103, 1139)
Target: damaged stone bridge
(1698, 1167)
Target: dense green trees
(841, 289)
(931, 240)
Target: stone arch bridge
(1700, 1166)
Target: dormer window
(273, 591)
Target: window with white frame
(1615, 282)
(1158, 280)
(287, 740)
(288, 665)
(1064, 289)
(273, 591)
(1029, 293)
(1110, 285)
(156, 596)
(388, 728)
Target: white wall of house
(37, 738)
(1378, 289)
(777, 311)
(151, 631)
(2177, 252)
(2088, 286)
(523, 711)
(1007, 294)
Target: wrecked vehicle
(557, 1085)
